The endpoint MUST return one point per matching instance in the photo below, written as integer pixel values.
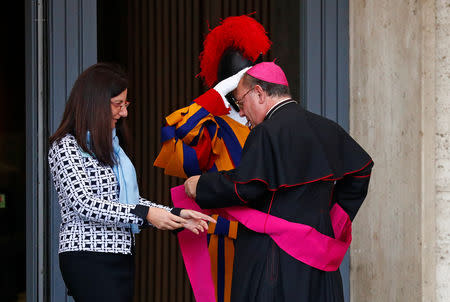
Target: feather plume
(242, 33)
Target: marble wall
(400, 112)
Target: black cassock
(295, 165)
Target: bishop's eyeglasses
(240, 102)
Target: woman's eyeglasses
(121, 105)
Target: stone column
(399, 111)
(442, 121)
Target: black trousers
(92, 276)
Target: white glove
(235, 116)
(229, 84)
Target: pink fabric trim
(283, 185)
(351, 172)
(195, 253)
(237, 193)
(302, 242)
(361, 176)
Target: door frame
(324, 65)
(61, 41)
(35, 255)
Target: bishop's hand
(190, 186)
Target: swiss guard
(208, 136)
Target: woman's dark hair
(89, 109)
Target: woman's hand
(195, 221)
(192, 220)
(164, 220)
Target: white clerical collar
(273, 108)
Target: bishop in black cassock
(295, 165)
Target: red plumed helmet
(241, 33)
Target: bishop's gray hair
(270, 88)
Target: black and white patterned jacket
(88, 192)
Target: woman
(96, 183)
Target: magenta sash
(302, 242)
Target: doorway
(159, 42)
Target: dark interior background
(12, 153)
